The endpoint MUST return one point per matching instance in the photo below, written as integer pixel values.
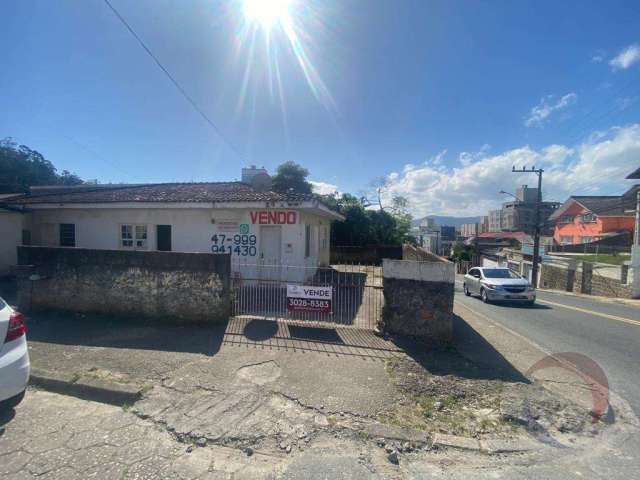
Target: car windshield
(2, 303)
(499, 273)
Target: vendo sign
(273, 217)
(309, 298)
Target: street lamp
(510, 194)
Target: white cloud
(323, 188)
(626, 58)
(438, 159)
(546, 107)
(598, 57)
(597, 166)
(467, 158)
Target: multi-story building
(484, 224)
(468, 229)
(520, 215)
(495, 221)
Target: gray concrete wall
(178, 287)
(419, 299)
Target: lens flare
(286, 26)
(266, 13)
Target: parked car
(14, 356)
(494, 283)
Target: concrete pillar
(635, 271)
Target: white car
(495, 283)
(14, 356)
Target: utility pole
(536, 235)
(476, 249)
(636, 232)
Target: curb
(86, 389)
(629, 302)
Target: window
(586, 239)
(566, 239)
(67, 235)
(566, 219)
(133, 236)
(499, 273)
(588, 218)
(307, 241)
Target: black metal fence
(353, 294)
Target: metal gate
(356, 300)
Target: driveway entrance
(339, 295)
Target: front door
(163, 238)
(270, 251)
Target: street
(608, 333)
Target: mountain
(449, 221)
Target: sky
(437, 100)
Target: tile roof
(610, 206)
(160, 192)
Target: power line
(174, 81)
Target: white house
(261, 229)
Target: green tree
(22, 167)
(291, 177)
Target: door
(163, 238)
(270, 251)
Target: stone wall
(179, 287)
(583, 277)
(419, 299)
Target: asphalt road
(608, 333)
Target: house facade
(586, 219)
(259, 229)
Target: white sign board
(309, 298)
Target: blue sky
(439, 98)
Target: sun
(266, 13)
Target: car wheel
(466, 290)
(483, 296)
(12, 402)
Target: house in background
(259, 228)
(12, 233)
(586, 219)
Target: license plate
(516, 297)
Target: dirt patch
(477, 407)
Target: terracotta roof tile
(161, 192)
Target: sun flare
(266, 13)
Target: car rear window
(499, 273)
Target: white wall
(422, 271)
(193, 230)
(11, 225)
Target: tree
(291, 178)
(22, 167)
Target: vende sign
(273, 217)
(309, 299)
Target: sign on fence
(309, 299)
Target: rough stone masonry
(419, 299)
(182, 287)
